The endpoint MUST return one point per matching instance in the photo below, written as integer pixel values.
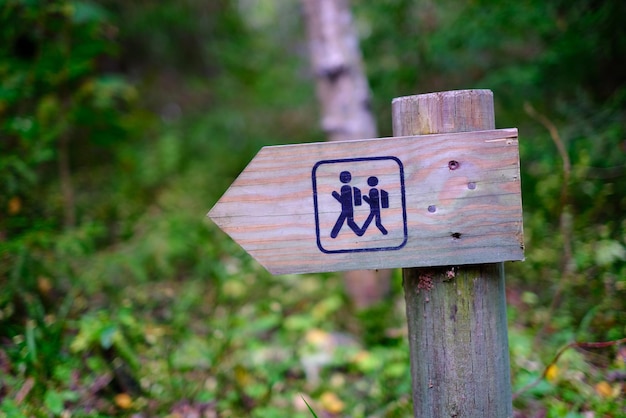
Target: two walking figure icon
(350, 196)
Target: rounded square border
(358, 250)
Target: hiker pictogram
(359, 204)
(348, 198)
(377, 200)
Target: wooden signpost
(449, 199)
(444, 193)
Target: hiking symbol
(377, 200)
(350, 196)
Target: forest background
(121, 124)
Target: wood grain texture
(456, 314)
(467, 215)
(458, 341)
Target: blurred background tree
(122, 122)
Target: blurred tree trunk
(346, 114)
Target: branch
(565, 221)
(558, 142)
(601, 344)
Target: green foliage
(122, 122)
(54, 94)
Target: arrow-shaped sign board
(429, 200)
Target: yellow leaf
(317, 337)
(123, 400)
(153, 333)
(14, 206)
(552, 373)
(361, 356)
(604, 389)
(331, 403)
(366, 362)
(44, 285)
(242, 376)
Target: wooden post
(457, 314)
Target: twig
(565, 221)
(24, 390)
(558, 142)
(601, 344)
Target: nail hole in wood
(456, 235)
(453, 165)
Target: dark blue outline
(358, 250)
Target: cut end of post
(443, 112)
(449, 93)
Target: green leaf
(30, 340)
(609, 251)
(107, 336)
(193, 354)
(88, 12)
(309, 406)
(10, 409)
(54, 402)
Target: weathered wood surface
(458, 341)
(456, 314)
(465, 212)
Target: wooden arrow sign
(418, 201)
